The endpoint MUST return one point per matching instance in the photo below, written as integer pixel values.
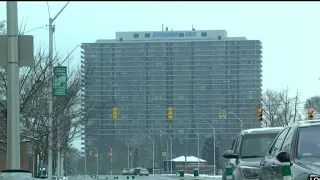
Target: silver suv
(247, 150)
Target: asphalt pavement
(150, 177)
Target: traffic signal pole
(111, 159)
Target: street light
(97, 160)
(170, 152)
(214, 147)
(198, 148)
(241, 124)
(111, 157)
(128, 154)
(50, 99)
(152, 154)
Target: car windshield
(309, 142)
(256, 145)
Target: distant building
(194, 72)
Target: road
(150, 177)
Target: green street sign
(60, 79)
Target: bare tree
(313, 103)
(279, 108)
(34, 106)
(3, 29)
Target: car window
(256, 145)
(278, 143)
(288, 141)
(309, 142)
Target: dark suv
(299, 143)
(247, 150)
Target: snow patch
(189, 159)
(262, 129)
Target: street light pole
(97, 164)
(241, 123)
(128, 154)
(198, 150)
(50, 100)
(170, 152)
(152, 154)
(167, 160)
(171, 155)
(13, 107)
(85, 163)
(214, 147)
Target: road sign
(25, 51)
(60, 79)
(164, 154)
(222, 114)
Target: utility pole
(13, 111)
(50, 100)
(11, 57)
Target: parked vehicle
(125, 171)
(299, 144)
(144, 172)
(137, 170)
(131, 172)
(247, 150)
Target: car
(137, 170)
(125, 171)
(144, 172)
(131, 171)
(299, 144)
(247, 150)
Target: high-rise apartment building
(194, 72)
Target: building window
(147, 35)
(135, 35)
(181, 34)
(204, 34)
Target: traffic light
(90, 153)
(310, 114)
(170, 116)
(110, 154)
(130, 153)
(260, 111)
(115, 113)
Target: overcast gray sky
(289, 31)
